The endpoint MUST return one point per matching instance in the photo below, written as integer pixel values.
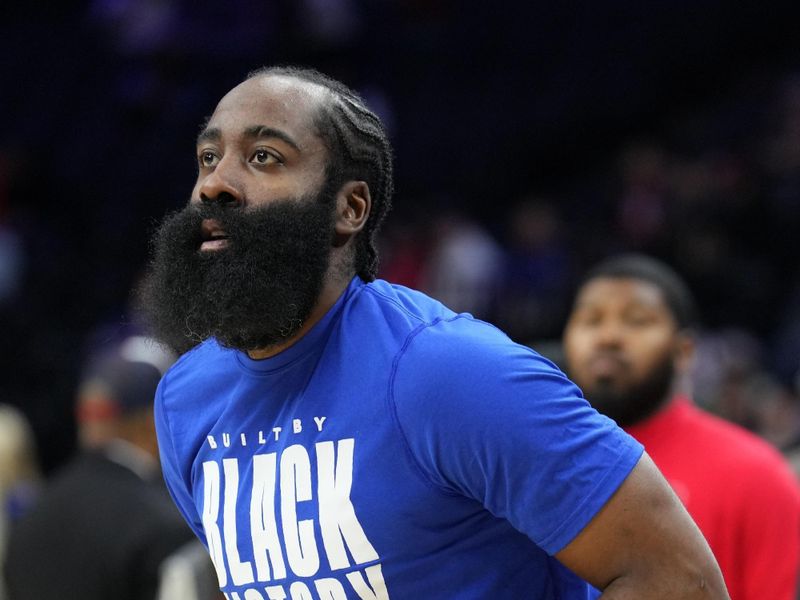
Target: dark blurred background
(531, 139)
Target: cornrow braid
(359, 150)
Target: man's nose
(220, 186)
(609, 333)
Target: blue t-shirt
(397, 450)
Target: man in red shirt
(628, 344)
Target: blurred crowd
(512, 176)
(717, 197)
(526, 148)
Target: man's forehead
(279, 97)
(289, 84)
(285, 106)
(608, 290)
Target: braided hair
(359, 150)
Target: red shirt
(740, 492)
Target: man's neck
(331, 292)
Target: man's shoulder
(92, 487)
(401, 302)
(413, 325)
(462, 357)
(733, 437)
(741, 450)
(464, 341)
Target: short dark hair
(359, 150)
(676, 293)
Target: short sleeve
(492, 420)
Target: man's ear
(353, 205)
(685, 349)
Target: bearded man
(629, 343)
(330, 435)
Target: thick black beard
(255, 293)
(636, 403)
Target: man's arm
(643, 544)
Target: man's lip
(606, 364)
(211, 229)
(214, 236)
(214, 244)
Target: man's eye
(639, 320)
(264, 157)
(207, 159)
(586, 319)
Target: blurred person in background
(536, 271)
(20, 474)
(464, 264)
(629, 345)
(104, 527)
(775, 414)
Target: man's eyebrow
(581, 304)
(263, 131)
(209, 134)
(213, 134)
